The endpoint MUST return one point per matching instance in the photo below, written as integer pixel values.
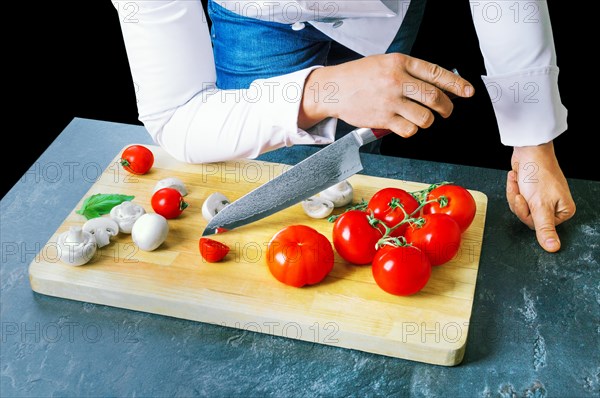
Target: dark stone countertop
(534, 330)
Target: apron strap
(407, 34)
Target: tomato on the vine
(212, 250)
(299, 255)
(439, 237)
(137, 159)
(390, 204)
(455, 201)
(354, 238)
(168, 202)
(401, 270)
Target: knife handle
(365, 135)
(380, 133)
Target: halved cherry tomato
(439, 237)
(212, 250)
(401, 270)
(354, 238)
(458, 204)
(137, 159)
(299, 255)
(389, 206)
(168, 202)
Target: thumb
(545, 228)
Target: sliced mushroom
(126, 215)
(341, 194)
(102, 228)
(171, 182)
(317, 207)
(214, 204)
(76, 247)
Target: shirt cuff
(527, 106)
(284, 118)
(320, 134)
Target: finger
(512, 189)
(564, 211)
(522, 211)
(439, 77)
(416, 114)
(402, 127)
(428, 95)
(517, 203)
(545, 227)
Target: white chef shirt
(171, 60)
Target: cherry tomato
(137, 159)
(460, 204)
(212, 250)
(168, 202)
(439, 237)
(390, 212)
(354, 238)
(299, 255)
(401, 270)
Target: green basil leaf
(101, 203)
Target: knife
(333, 164)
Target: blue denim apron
(246, 49)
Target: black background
(72, 63)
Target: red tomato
(137, 159)
(439, 237)
(299, 255)
(354, 238)
(401, 270)
(168, 202)
(460, 205)
(212, 250)
(383, 209)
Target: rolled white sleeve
(170, 56)
(522, 75)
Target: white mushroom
(126, 214)
(102, 228)
(150, 231)
(76, 247)
(317, 207)
(341, 194)
(213, 204)
(171, 182)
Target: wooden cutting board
(347, 309)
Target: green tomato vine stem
(395, 203)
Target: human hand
(538, 193)
(391, 91)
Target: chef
(269, 74)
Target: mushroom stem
(76, 246)
(75, 235)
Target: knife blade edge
(340, 159)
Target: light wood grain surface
(347, 309)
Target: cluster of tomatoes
(401, 234)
